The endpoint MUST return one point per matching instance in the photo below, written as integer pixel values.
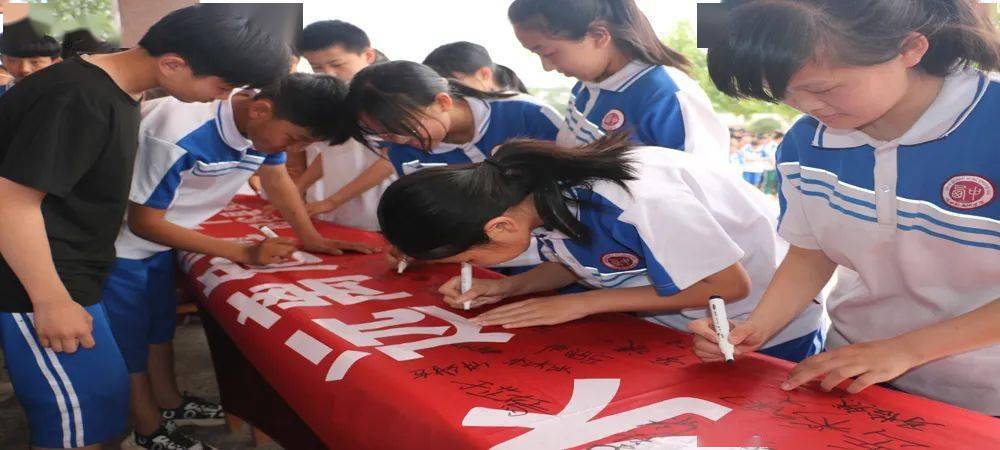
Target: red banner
(372, 359)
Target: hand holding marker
(466, 283)
(269, 233)
(720, 319)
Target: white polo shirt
(681, 221)
(662, 106)
(191, 161)
(341, 165)
(918, 220)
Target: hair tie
(493, 163)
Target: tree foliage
(56, 17)
(682, 39)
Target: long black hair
(573, 19)
(466, 58)
(440, 212)
(769, 40)
(395, 94)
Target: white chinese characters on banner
(574, 425)
(222, 270)
(394, 323)
(344, 290)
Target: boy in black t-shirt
(68, 138)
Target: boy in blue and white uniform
(192, 160)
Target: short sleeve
(275, 159)
(59, 140)
(793, 225)
(544, 123)
(681, 242)
(399, 154)
(662, 123)
(685, 121)
(158, 167)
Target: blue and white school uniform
(496, 122)
(917, 219)
(6, 87)
(191, 161)
(72, 400)
(662, 106)
(681, 221)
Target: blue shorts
(141, 300)
(797, 349)
(70, 400)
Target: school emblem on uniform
(620, 261)
(613, 120)
(968, 191)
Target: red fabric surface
(633, 384)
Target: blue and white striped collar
(481, 112)
(622, 79)
(959, 96)
(225, 121)
(552, 234)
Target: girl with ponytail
(471, 65)
(893, 174)
(648, 230)
(430, 120)
(628, 78)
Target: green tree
(682, 39)
(555, 97)
(56, 17)
(765, 125)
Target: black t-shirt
(72, 133)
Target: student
(295, 162)
(5, 78)
(67, 143)
(343, 182)
(650, 231)
(892, 174)
(753, 161)
(192, 160)
(24, 52)
(471, 65)
(769, 181)
(83, 42)
(628, 79)
(433, 121)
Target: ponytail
(466, 58)
(395, 94)
(507, 79)
(440, 212)
(573, 19)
